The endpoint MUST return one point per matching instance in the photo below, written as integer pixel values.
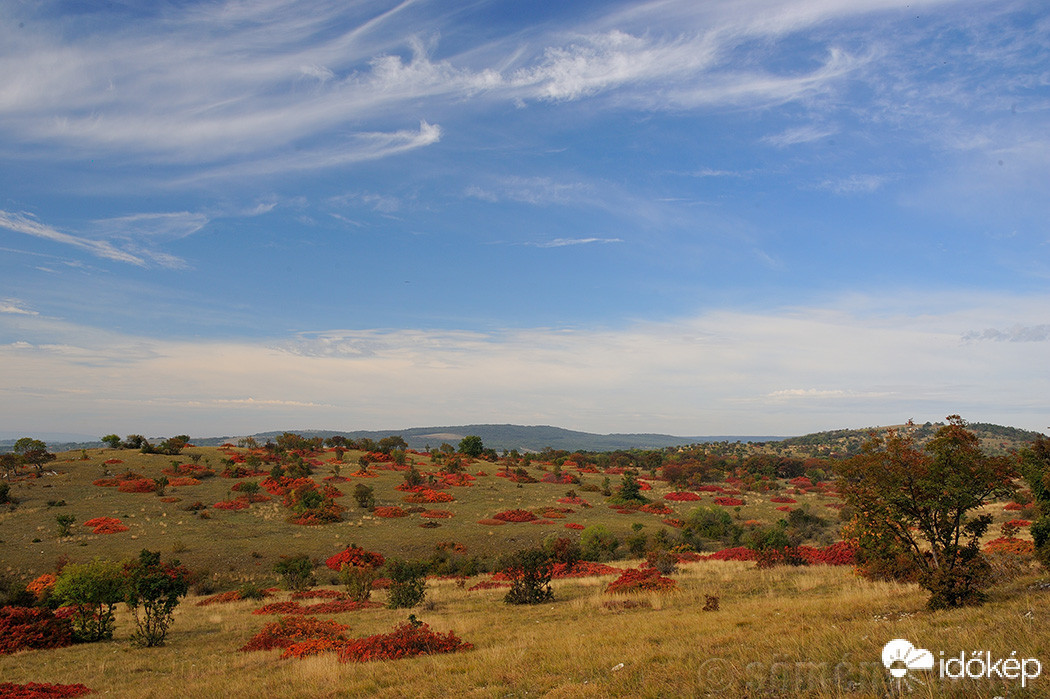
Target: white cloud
(862, 361)
(15, 307)
(1017, 333)
(854, 184)
(24, 223)
(563, 242)
(357, 148)
(798, 135)
(540, 191)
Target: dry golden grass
(784, 632)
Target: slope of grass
(783, 632)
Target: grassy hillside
(815, 631)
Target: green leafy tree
(530, 572)
(93, 590)
(471, 446)
(153, 590)
(365, 496)
(630, 491)
(33, 452)
(921, 500)
(1035, 466)
(389, 444)
(408, 583)
(296, 571)
(111, 440)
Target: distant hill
(994, 438)
(525, 438)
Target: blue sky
(685, 216)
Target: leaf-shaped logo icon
(899, 656)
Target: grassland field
(814, 631)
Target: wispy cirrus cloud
(219, 81)
(131, 239)
(565, 242)
(15, 307)
(25, 223)
(854, 184)
(540, 191)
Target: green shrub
(93, 590)
(364, 496)
(530, 573)
(597, 543)
(408, 583)
(251, 590)
(358, 581)
(64, 523)
(155, 587)
(297, 572)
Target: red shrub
(279, 608)
(231, 505)
(574, 501)
(1019, 523)
(841, 553)
(355, 556)
(458, 479)
(656, 508)
(574, 525)
(182, 481)
(113, 461)
(289, 630)
(639, 580)
(1014, 506)
(1013, 545)
(29, 628)
(436, 514)
(681, 497)
(515, 516)
(729, 502)
(428, 496)
(106, 525)
(37, 690)
(41, 585)
(314, 646)
(319, 594)
(404, 641)
(781, 498)
(389, 512)
(110, 528)
(138, 485)
(674, 522)
(710, 489)
(581, 569)
(97, 521)
(738, 553)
